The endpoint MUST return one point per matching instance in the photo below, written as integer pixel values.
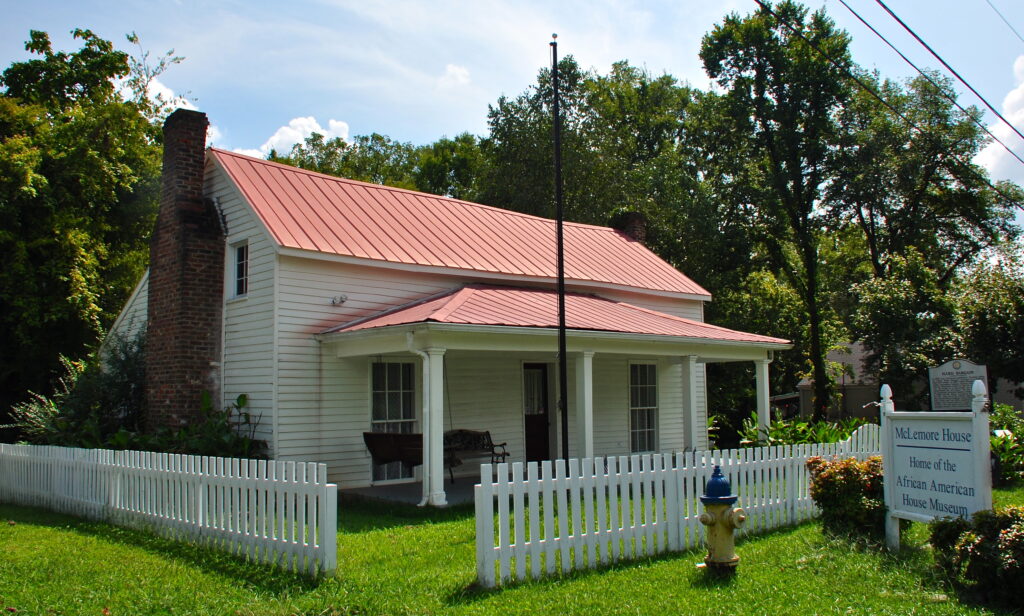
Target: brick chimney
(633, 224)
(186, 281)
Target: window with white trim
(643, 407)
(241, 269)
(393, 402)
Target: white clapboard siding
(283, 513)
(579, 514)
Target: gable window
(643, 407)
(393, 398)
(241, 269)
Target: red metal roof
(522, 307)
(312, 211)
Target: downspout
(425, 362)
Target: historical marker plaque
(951, 382)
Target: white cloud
(213, 135)
(454, 76)
(158, 92)
(296, 131)
(249, 152)
(1000, 163)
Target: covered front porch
(630, 391)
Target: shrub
(849, 494)
(1008, 449)
(798, 431)
(984, 556)
(100, 403)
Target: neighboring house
(341, 307)
(857, 390)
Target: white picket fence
(602, 510)
(282, 513)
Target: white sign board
(936, 464)
(950, 384)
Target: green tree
(989, 321)
(371, 158)
(450, 167)
(78, 190)
(787, 98)
(914, 188)
(906, 318)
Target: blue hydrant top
(717, 490)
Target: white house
(342, 307)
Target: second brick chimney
(186, 281)
(633, 224)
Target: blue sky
(268, 73)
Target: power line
(879, 98)
(949, 68)
(939, 88)
(1008, 24)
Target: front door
(535, 407)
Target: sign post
(935, 464)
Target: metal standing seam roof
(312, 211)
(527, 307)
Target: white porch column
(690, 415)
(585, 404)
(433, 463)
(763, 415)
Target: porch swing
(459, 444)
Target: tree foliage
(786, 97)
(78, 190)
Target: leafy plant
(849, 494)
(797, 431)
(100, 403)
(984, 556)
(1008, 447)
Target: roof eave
(544, 331)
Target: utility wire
(939, 88)
(1008, 25)
(949, 68)
(878, 97)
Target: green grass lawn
(397, 560)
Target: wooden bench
(459, 444)
(407, 448)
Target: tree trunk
(822, 386)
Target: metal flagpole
(563, 378)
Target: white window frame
(394, 471)
(638, 405)
(240, 269)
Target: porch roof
(487, 305)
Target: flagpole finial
(554, 37)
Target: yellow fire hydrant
(721, 520)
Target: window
(241, 269)
(643, 407)
(393, 398)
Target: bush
(849, 494)
(798, 431)
(1008, 449)
(100, 403)
(984, 556)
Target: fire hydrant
(721, 519)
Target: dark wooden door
(535, 407)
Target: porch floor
(458, 493)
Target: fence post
(484, 497)
(328, 525)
